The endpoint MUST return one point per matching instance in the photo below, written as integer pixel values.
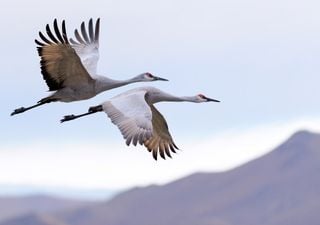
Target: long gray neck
(104, 83)
(164, 97)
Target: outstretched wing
(87, 45)
(161, 141)
(131, 113)
(60, 65)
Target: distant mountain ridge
(59, 192)
(19, 206)
(279, 188)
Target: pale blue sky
(260, 58)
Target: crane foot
(67, 118)
(17, 111)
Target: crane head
(149, 77)
(203, 98)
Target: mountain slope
(35, 219)
(282, 187)
(17, 206)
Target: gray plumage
(139, 121)
(70, 67)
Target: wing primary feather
(45, 39)
(161, 150)
(135, 139)
(149, 144)
(84, 33)
(78, 37)
(91, 33)
(155, 153)
(172, 149)
(74, 42)
(97, 31)
(39, 43)
(167, 150)
(128, 141)
(52, 37)
(57, 31)
(149, 149)
(64, 32)
(141, 137)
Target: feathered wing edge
(150, 129)
(85, 38)
(161, 141)
(133, 131)
(60, 38)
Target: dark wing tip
(38, 42)
(167, 150)
(52, 37)
(149, 149)
(56, 37)
(78, 37)
(97, 31)
(39, 49)
(44, 38)
(161, 151)
(155, 154)
(57, 31)
(84, 33)
(64, 32)
(73, 42)
(91, 32)
(172, 148)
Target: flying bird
(139, 121)
(69, 67)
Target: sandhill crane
(134, 113)
(69, 68)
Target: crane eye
(201, 96)
(149, 75)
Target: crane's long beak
(212, 100)
(159, 78)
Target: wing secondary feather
(140, 122)
(132, 115)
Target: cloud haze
(92, 165)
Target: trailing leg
(93, 109)
(23, 109)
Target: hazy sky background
(260, 58)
